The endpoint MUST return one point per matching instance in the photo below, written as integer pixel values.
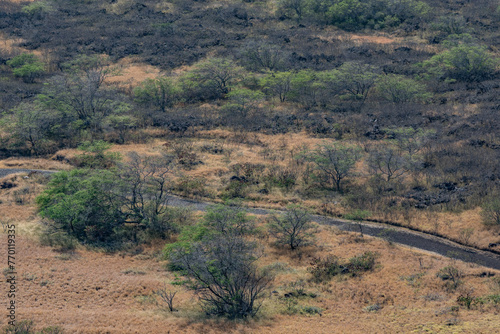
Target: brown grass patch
(11, 45)
(33, 163)
(131, 72)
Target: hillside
(378, 110)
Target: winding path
(390, 233)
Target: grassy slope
(92, 292)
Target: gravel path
(393, 234)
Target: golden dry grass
(11, 45)
(132, 72)
(33, 163)
(91, 292)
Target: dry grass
(132, 72)
(91, 292)
(11, 45)
(36, 163)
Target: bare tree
(167, 297)
(80, 93)
(388, 162)
(144, 190)
(259, 55)
(292, 228)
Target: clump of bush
(452, 277)
(324, 269)
(109, 207)
(491, 212)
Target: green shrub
(324, 269)
(363, 262)
(357, 14)
(191, 186)
(312, 310)
(95, 155)
(27, 327)
(400, 89)
(469, 63)
(491, 212)
(26, 66)
(160, 93)
(494, 299)
(60, 241)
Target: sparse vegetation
(293, 228)
(376, 110)
(221, 264)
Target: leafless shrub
(167, 297)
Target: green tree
(349, 14)
(107, 207)
(356, 79)
(221, 263)
(335, 162)
(400, 89)
(470, 63)
(160, 93)
(31, 124)
(122, 124)
(81, 204)
(229, 219)
(242, 101)
(37, 9)
(81, 95)
(278, 84)
(293, 8)
(26, 66)
(310, 88)
(212, 78)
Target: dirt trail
(398, 235)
